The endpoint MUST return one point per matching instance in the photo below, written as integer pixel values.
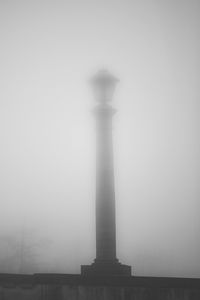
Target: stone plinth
(102, 268)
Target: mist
(49, 49)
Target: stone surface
(76, 287)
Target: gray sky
(47, 164)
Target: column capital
(104, 110)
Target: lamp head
(103, 84)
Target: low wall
(76, 287)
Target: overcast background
(47, 147)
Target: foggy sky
(47, 152)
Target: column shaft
(105, 191)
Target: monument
(106, 278)
(106, 262)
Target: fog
(49, 49)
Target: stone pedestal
(102, 268)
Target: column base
(106, 268)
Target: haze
(48, 50)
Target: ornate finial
(104, 83)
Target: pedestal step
(106, 269)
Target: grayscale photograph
(99, 150)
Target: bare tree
(20, 253)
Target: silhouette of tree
(19, 253)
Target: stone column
(106, 262)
